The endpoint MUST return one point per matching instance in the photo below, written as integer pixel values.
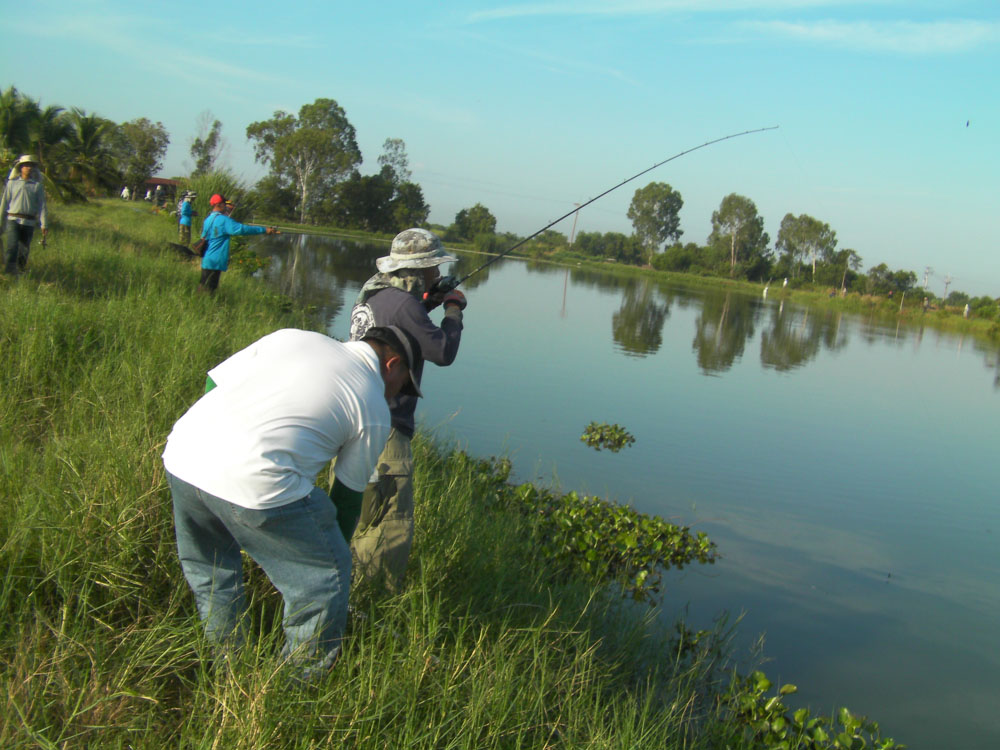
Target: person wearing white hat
(398, 296)
(22, 208)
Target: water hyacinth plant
(602, 435)
(604, 542)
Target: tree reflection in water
(637, 327)
(722, 329)
(315, 270)
(795, 338)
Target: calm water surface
(845, 468)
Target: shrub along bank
(511, 632)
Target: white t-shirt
(281, 409)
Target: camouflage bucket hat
(414, 248)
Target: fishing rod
(317, 233)
(447, 283)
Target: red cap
(215, 200)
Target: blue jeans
(300, 548)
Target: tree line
(82, 155)
(313, 177)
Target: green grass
(104, 345)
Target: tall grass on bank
(104, 345)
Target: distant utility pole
(927, 272)
(572, 232)
(947, 281)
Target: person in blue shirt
(217, 229)
(185, 211)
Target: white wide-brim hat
(414, 248)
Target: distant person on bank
(242, 466)
(22, 208)
(185, 213)
(395, 296)
(217, 229)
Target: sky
(888, 111)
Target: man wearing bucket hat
(22, 208)
(242, 466)
(398, 296)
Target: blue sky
(530, 107)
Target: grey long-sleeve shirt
(23, 197)
(395, 307)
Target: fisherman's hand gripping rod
(446, 283)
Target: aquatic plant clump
(768, 723)
(602, 435)
(582, 535)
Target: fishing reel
(434, 296)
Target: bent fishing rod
(447, 283)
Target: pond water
(846, 468)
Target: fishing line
(584, 205)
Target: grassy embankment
(104, 344)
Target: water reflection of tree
(991, 358)
(722, 329)
(796, 337)
(467, 263)
(601, 280)
(637, 327)
(316, 270)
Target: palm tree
(47, 128)
(14, 119)
(85, 155)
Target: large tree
(409, 209)
(393, 158)
(882, 280)
(738, 225)
(803, 237)
(314, 151)
(142, 146)
(470, 222)
(655, 216)
(363, 202)
(207, 145)
(851, 261)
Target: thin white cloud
(433, 111)
(293, 42)
(646, 7)
(554, 63)
(135, 39)
(904, 37)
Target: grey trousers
(16, 243)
